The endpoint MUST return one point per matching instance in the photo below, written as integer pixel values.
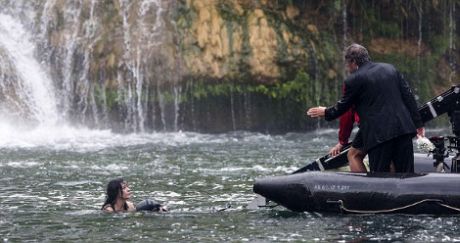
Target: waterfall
(232, 108)
(247, 110)
(141, 38)
(177, 92)
(86, 89)
(76, 89)
(71, 38)
(452, 26)
(419, 44)
(73, 41)
(25, 82)
(452, 40)
(161, 104)
(314, 71)
(72, 15)
(344, 42)
(132, 60)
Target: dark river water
(52, 184)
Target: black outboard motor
(448, 102)
(454, 141)
(455, 121)
(439, 153)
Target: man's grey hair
(357, 53)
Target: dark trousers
(398, 150)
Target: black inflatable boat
(431, 193)
(314, 188)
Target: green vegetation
(298, 90)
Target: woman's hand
(421, 132)
(336, 149)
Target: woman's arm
(107, 208)
(131, 206)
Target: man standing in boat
(387, 109)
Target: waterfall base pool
(52, 188)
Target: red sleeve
(346, 126)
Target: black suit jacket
(384, 103)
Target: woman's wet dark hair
(113, 188)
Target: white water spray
(33, 87)
(33, 90)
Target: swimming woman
(118, 195)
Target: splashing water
(25, 82)
(33, 86)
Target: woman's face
(126, 192)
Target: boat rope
(449, 207)
(391, 210)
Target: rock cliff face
(292, 50)
(221, 65)
(263, 51)
(223, 42)
(223, 39)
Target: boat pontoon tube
(429, 193)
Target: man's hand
(316, 111)
(336, 149)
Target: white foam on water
(75, 183)
(81, 139)
(20, 164)
(82, 212)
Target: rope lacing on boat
(392, 210)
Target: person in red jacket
(355, 155)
